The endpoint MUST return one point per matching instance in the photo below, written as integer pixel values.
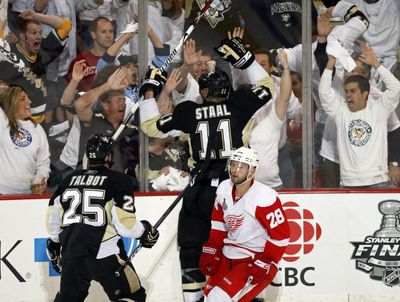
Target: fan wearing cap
(249, 234)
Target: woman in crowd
(24, 149)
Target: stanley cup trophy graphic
(390, 228)
(390, 222)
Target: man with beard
(249, 234)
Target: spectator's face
(31, 39)
(171, 8)
(104, 34)
(356, 100)
(131, 75)
(114, 109)
(296, 86)
(23, 108)
(201, 67)
(263, 60)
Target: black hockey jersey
(18, 69)
(85, 199)
(221, 124)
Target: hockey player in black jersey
(215, 129)
(87, 216)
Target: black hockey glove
(150, 235)
(234, 52)
(53, 250)
(153, 80)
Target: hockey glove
(150, 235)
(53, 250)
(234, 52)
(153, 80)
(259, 268)
(209, 259)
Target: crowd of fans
(68, 70)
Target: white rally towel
(173, 181)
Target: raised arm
(323, 28)
(165, 104)
(282, 102)
(190, 58)
(391, 96)
(112, 51)
(330, 100)
(53, 21)
(83, 105)
(78, 72)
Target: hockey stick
(185, 36)
(164, 66)
(156, 225)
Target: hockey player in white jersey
(248, 237)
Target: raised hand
(78, 72)
(283, 58)
(369, 55)
(118, 79)
(174, 79)
(233, 50)
(28, 14)
(323, 25)
(190, 56)
(238, 32)
(154, 80)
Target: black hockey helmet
(217, 82)
(98, 147)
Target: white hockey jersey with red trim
(256, 223)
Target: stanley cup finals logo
(379, 255)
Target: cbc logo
(304, 231)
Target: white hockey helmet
(246, 156)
